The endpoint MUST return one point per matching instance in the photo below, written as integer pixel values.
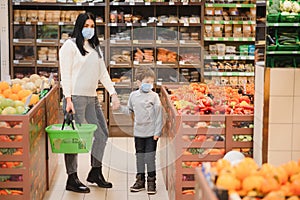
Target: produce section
(25, 170)
(199, 129)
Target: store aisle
(119, 168)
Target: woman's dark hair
(77, 33)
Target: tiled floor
(119, 168)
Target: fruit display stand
(23, 141)
(193, 139)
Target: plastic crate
(289, 18)
(71, 141)
(273, 17)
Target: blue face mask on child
(146, 87)
(88, 33)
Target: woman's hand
(70, 106)
(115, 102)
(155, 137)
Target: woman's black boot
(96, 176)
(74, 184)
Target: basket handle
(68, 119)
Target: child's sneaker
(151, 185)
(139, 184)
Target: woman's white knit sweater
(80, 74)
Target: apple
(9, 111)
(20, 109)
(18, 103)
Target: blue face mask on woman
(88, 33)
(146, 87)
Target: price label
(39, 62)
(61, 23)
(181, 62)
(158, 41)
(113, 41)
(159, 83)
(238, 5)
(296, 24)
(186, 24)
(16, 23)
(28, 23)
(135, 41)
(113, 24)
(135, 62)
(220, 57)
(143, 24)
(159, 24)
(171, 3)
(39, 40)
(112, 62)
(131, 3)
(91, 4)
(185, 3)
(17, 3)
(276, 24)
(209, 5)
(208, 57)
(229, 73)
(27, 100)
(40, 23)
(182, 41)
(16, 40)
(128, 24)
(147, 3)
(16, 61)
(115, 3)
(78, 4)
(294, 52)
(159, 62)
(62, 41)
(243, 57)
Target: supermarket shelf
(228, 73)
(283, 52)
(283, 24)
(154, 3)
(232, 39)
(152, 24)
(52, 23)
(229, 5)
(57, 4)
(231, 57)
(228, 22)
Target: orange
(13, 96)
(7, 93)
(16, 88)
(34, 99)
(23, 93)
(4, 85)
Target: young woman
(81, 67)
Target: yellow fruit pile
(16, 92)
(248, 179)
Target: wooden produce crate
(190, 141)
(26, 170)
(24, 167)
(193, 139)
(239, 134)
(52, 117)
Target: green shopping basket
(74, 138)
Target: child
(148, 120)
